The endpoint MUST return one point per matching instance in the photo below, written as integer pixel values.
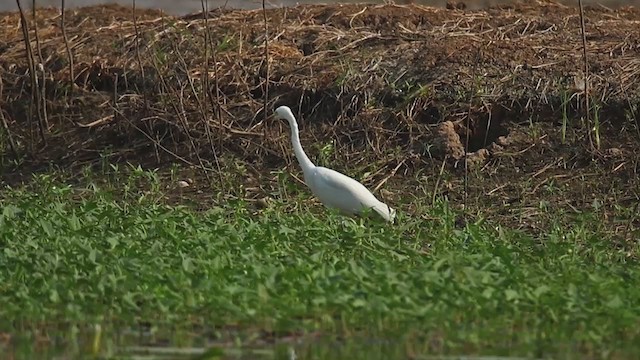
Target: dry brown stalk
(43, 85)
(137, 46)
(469, 126)
(67, 46)
(266, 61)
(217, 106)
(114, 100)
(35, 94)
(178, 111)
(438, 180)
(35, 31)
(389, 176)
(142, 76)
(587, 109)
(98, 122)
(205, 86)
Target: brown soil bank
(392, 91)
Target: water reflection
(188, 6)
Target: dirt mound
(394, 90)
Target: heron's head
(283, 112)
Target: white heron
(335, 190)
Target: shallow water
(138, 345)
(188, 6)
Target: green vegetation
(78, 265)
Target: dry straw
(373, 76)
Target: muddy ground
(400, 96)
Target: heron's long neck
(303, 159)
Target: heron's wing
(338, 182)
(338, 190)
(342, 190)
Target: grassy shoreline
(85, 256)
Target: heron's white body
(334, 189)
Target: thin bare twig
(386, 178)
(587, 110)
(115, 96)
(205, 86)
(266, 59)
(179, 113)
(440, 175)
(138, 57)
(35, 29)
(143, 78)
(217, 106)
(35, 95)
(472, 93)
(173, 96)
(68, 48)
(43, 116)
